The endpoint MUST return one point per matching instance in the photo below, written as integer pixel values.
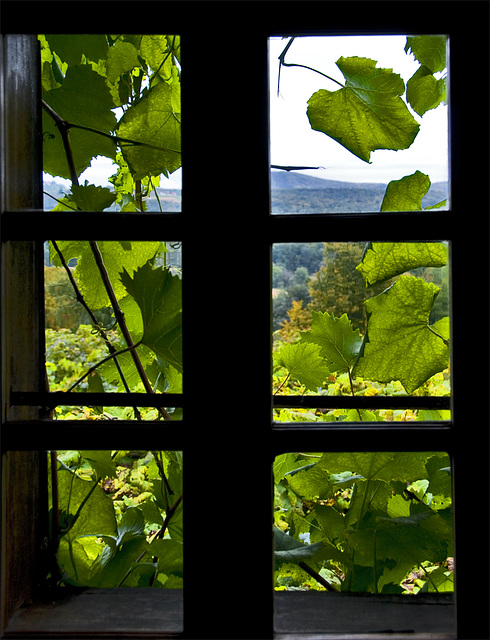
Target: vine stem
(283, 63)
(81, 300)
(282, 384)
(101, 362)
(119, 315)
(64, 126)
(446, 341)
(353, 394)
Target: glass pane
(111, 122)
(97, 303)
(116, 518)
(371, 523)
(351, 117)
(356, 319)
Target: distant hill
(291, 193)
(300, 193)
(170, 199)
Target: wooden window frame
(226, 434)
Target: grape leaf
(154, 49)
(83, 99)
(339, 342)
(70, 48)
(92, 198)
(430, 51)
(154, 120)
(387, 466)
(101, 463)
(159, 296)
(132, 525)
(399, 343)
(367, 114)
(383, 260)
(424, 92)
(170, 554)
(406, 194)
(115, 259)
(304, 363)
(122, 57)
(287, 549)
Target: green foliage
(407, 193)
(158, 294)
(116, 255)
(399, 343)
(367, 113)
(156, 318)
(84, 79)
(400, 346)
(370, 519)
(303, 363)
(424, 91)
(384, 260)
(339, 342)
(116, 517)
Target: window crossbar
(362, 402)
(50, 400)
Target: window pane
(120, 518)
(111, 122)
(351, 115)
(359, 319)
(373, 522)
(97, 302)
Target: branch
(289, 168)
(119, 315)
(64, 126)
(317, 576)
(101, 362)
(168, 516)
(445, 340)
(302, 66)
(100, 329)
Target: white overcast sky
(294, 142)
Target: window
(226, 433)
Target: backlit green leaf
(424, 92)
(399, 343)
(155, 120)
(339, 342)
(122, 57)
(92, 198)
(115, 258)
(367, 114)
(386, 466)
(430, 51)
(101, 462)
(304, 363)
(406, 194)
(159, 296)
(383, 260)
(73, 46)
(82, 99)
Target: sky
(294, 142)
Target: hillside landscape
(300, 193)
(291, 192)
